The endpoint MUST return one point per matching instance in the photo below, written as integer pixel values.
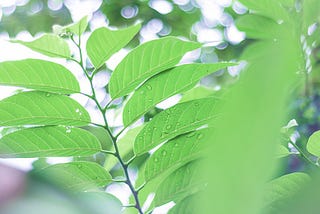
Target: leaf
(39, 75)
(49, 45)
(51, 141)
(100, 202)
(282, 151)
(125, 146)
(177, 152)
(258, 27)
(103, 43)
(284, 187)
(146, 61)
(185, 181)
(165, 85)
(39, 108)
(197, 93)
(77, 176)
(313, 144)
(185, 206)
(179, 119)
(79, 27)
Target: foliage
(210, 150)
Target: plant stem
(106, 127)
(304, 156)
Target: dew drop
(68, 129)
(168, 127)
(77, 110)
(196, 104)
(176, 144)
(164, 153)
(149, 87)
(156, 160)
(79, 166)
(149, 100)
(142, 92)
(48, 94)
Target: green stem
(106, 127)
(304, 156)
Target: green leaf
(39, 75)
(49, 45)
(100, 202)
(51, 141)
(197, 93)
(185, 181)
(185, 206)
(284, 187)
(176, 153)
(165, 85)
(77, 176)
(258, 27)
(125, 146)
(179, 119)
(39, 108)
(103, 43)
(79, 27)
(146, 61)
(282, 151)
(313, 144)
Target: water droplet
(148, 87)
(154, 128)
(149, 100)
(142, 92)
(176, 144)
(156, 160)
(164, 153)
(168, 127)
(196, 104)
(79, 166)
(280, 21)
(48, 94)
(77, 110)
(68, 129)
(200, 136)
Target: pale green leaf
(125, 145)
(49, 45)
(282, 151)
(186, 206)
(50, 141)
(179, 119)
(284, 187)
(100, 202)
(197, 93)
(77, 176)
(79, 27)
(313, 144)
(39, 108)
(185, 181)
(165, 85)
(146, 61)
(258, 27)
(177, 152)
(39, 75)
(103, 43)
